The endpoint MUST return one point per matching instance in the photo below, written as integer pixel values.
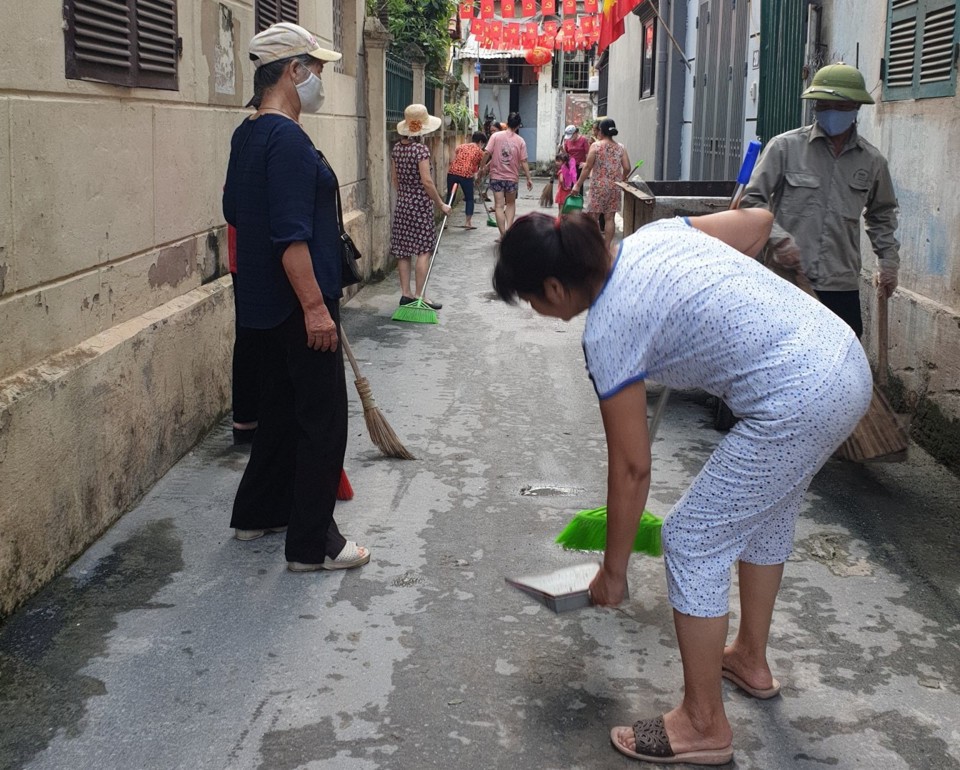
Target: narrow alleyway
(171, 645)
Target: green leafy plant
(420, 23)
(459, 114)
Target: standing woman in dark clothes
(280, 195)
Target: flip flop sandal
(469, 227)
(653, 745)
(350, 556)
(770, 692)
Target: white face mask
(310, 92)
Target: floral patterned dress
(607, 171)
(413, 230)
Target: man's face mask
(835, 122)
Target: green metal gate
(399, 88)
(783, 33)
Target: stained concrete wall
(918, 137)
(116, 323)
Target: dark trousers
(466, 183)
(246, 370)
(845, 304)
(294, 469)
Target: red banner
(529, 7)
(511, 35)
(495, 34)
(589, 6)
(569, 7)
(530, 35)
(478, 28)
(569, 29)
(486, 9)
(588, 24)
(550, 28)
(466, 10)
(507, 9)
(548, 7)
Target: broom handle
(349, 352)
(881, 337)
(436, 246)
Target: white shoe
(253, 534)
(352, 555)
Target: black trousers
(845, 304)
(246, 370)
(294, 469)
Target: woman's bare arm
(747, 230)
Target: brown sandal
(653, 745)
(770, 692)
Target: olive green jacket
(818, 199)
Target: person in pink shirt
(575, 145)
(504, 156)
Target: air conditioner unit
(593, 83)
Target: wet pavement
(171, 645)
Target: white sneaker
(253, 534)
(351, 556)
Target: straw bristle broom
(880, 435)
(381, 434)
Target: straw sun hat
(417, 121)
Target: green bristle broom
(418, 311)
(588, 530)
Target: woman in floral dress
(413, 231)
(607, 163)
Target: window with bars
(922, 49)
(122, 42)
(269, 12)
(338, 19)
(576, 70)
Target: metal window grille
(130, 43)
(399, 87)
(922, 47)
(338, 32)
(267, 12)
(576, 70)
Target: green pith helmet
(838, 83)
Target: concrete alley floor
(171, 645)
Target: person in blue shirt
(280, 195)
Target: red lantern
(538, 57)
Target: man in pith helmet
(818, 181)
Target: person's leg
(403, 270)
(746, 656)
(467, 184)
(264, 497)
(320, 407)
(845, 304)
(699, 722)
(246, 379)
(498, 205)
(423, 264)
(510, 211)
(609, 229)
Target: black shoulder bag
(349, 253)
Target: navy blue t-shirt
(278, 191)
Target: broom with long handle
(381, 434)
(418, 311)
(588, 530)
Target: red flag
(546, 41)
(623, 8)
(611, 25)
(589, 6)
(558, 41)
(530, 35)
(529, 7)
(579, 39)
(569, 28)
(466, 10)
(588, 24)
(478, 29)
(511, 35)
(495, 34)
(550, 28)
(507, 9)
(548, 7)
(486, 9)
(569, 7)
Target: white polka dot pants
(745, 501)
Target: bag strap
(336, 186)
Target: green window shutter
(922, 41)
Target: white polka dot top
(688, 311)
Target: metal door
(783, 34)
(719, 89)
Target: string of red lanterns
(572, 33)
